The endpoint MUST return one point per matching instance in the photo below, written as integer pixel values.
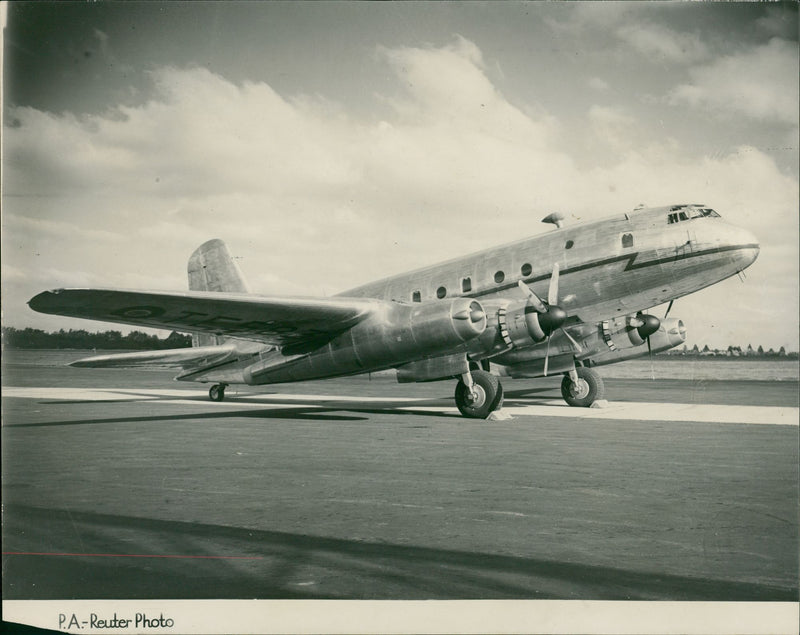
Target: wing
(271, 320)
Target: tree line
(732, 351)
(80, 339)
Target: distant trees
(81, 339)
(733, 351)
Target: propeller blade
(575, 343)
(533, 299)
(552, 291)
(650, 353)
(547, 355)
(669, 307)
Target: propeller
(645, 325)
(550, 316)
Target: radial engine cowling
(522, 325)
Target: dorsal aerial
(561, 302)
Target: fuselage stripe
(632, 264)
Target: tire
(489, 395)
(217, 392)
(589, 389)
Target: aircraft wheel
(588, 389)
(217, 392)
(485, 397)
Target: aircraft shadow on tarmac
(307, 410)
(142, 558)
(314, 408)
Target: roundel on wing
(139, 312)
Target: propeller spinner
(543, 319)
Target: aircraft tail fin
(212, 268)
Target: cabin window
(499, 277)
(568, 244)
(416, 296)
(466, 285)
(441, 292)
(526, 269)
(627, 240)
(672, 218)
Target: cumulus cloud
(661, 43)
(760, 83)
(316, 201)
(611, 125)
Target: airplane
(473, 319)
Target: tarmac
(124, 484)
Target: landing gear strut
(582, 387)
(217, 392)
(478, 394)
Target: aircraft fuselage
(609, 269)
(615, 266)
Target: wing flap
(271, 320)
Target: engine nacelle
(521, 325)
(398, 334)
(632, 330)
(671, 333)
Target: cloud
(760, 83)
(779, 21)
(315, 201)
(611, 125)
(661, 43)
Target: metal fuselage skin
(600, 277)
(609, 269)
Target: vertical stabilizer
(212, 268)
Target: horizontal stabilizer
(184, 358)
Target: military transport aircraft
(470, 319)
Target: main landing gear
(478, 394)
(217, 392)
(582, 387)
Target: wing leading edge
(277, 321)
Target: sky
(334, 143)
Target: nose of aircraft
(748, 247)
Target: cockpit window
(688, 212)
(705, 212)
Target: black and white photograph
(400, 317)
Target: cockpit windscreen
(688, 212)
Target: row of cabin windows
(466, 283)
(499, 276)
